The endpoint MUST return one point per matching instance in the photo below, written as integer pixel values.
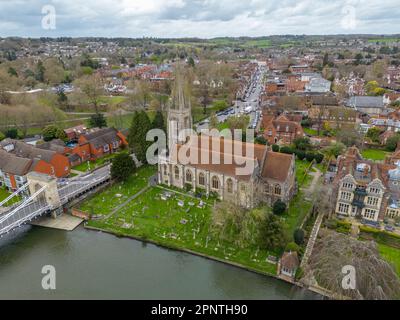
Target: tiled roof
(272, 165)
(9, 163)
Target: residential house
(44, 161)
(366, 189)
(97, 144)
(280, 130)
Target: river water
(95, 265)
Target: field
(391, 255)
(374, 154)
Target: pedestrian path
(312, 239)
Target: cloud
(197, 18)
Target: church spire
(179, 113)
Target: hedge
(383, 237)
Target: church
(271, 175)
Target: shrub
(12, 133)
(319, 157)
(310, 156)
(291, 246)
(287, 150)
(300, 154)
(275, 148)
(298, 236)
(279, 207)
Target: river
(95, 265)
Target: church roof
(272, 165)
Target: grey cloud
(201, 18)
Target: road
(250, 105)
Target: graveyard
(170, 218)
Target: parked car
(389, 228)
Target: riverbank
(314, 290)
(98, 265)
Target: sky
(196, 18)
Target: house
(280, 130)
(333, 116)
(75, 132)
(97, 144)
(13, 170)
(366, 189)
(44, 161)
(366, 104)
(288, 265)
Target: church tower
(179, 113)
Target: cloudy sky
(196, 18)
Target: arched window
(188, 176)
(176, 172)
(202, 180)
(229, 185)
(277, 189)
(215, 182)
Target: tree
(158, 121)
(375, 278)
(122, 167)
(302, 143)
(11, 133)
(298, 236)
(40, 70)
(279, 207)
(272, 233)
(334, 150)
(373, 134)
(97, 121)
(92, 87)
(137, 134)
(392, 142)
(53, 132)
(349, 136)
(237, 225)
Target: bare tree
(374, 278)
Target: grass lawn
(301, 168)
(298, 209)
(4, 194)
(391, 255)
(104, 202)
(85, 167)
(188, 226)
(374, 154)
(311, 132)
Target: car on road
(389, 228)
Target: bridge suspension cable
(14, 194)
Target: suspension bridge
(47, 194)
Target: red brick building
(280, 130)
